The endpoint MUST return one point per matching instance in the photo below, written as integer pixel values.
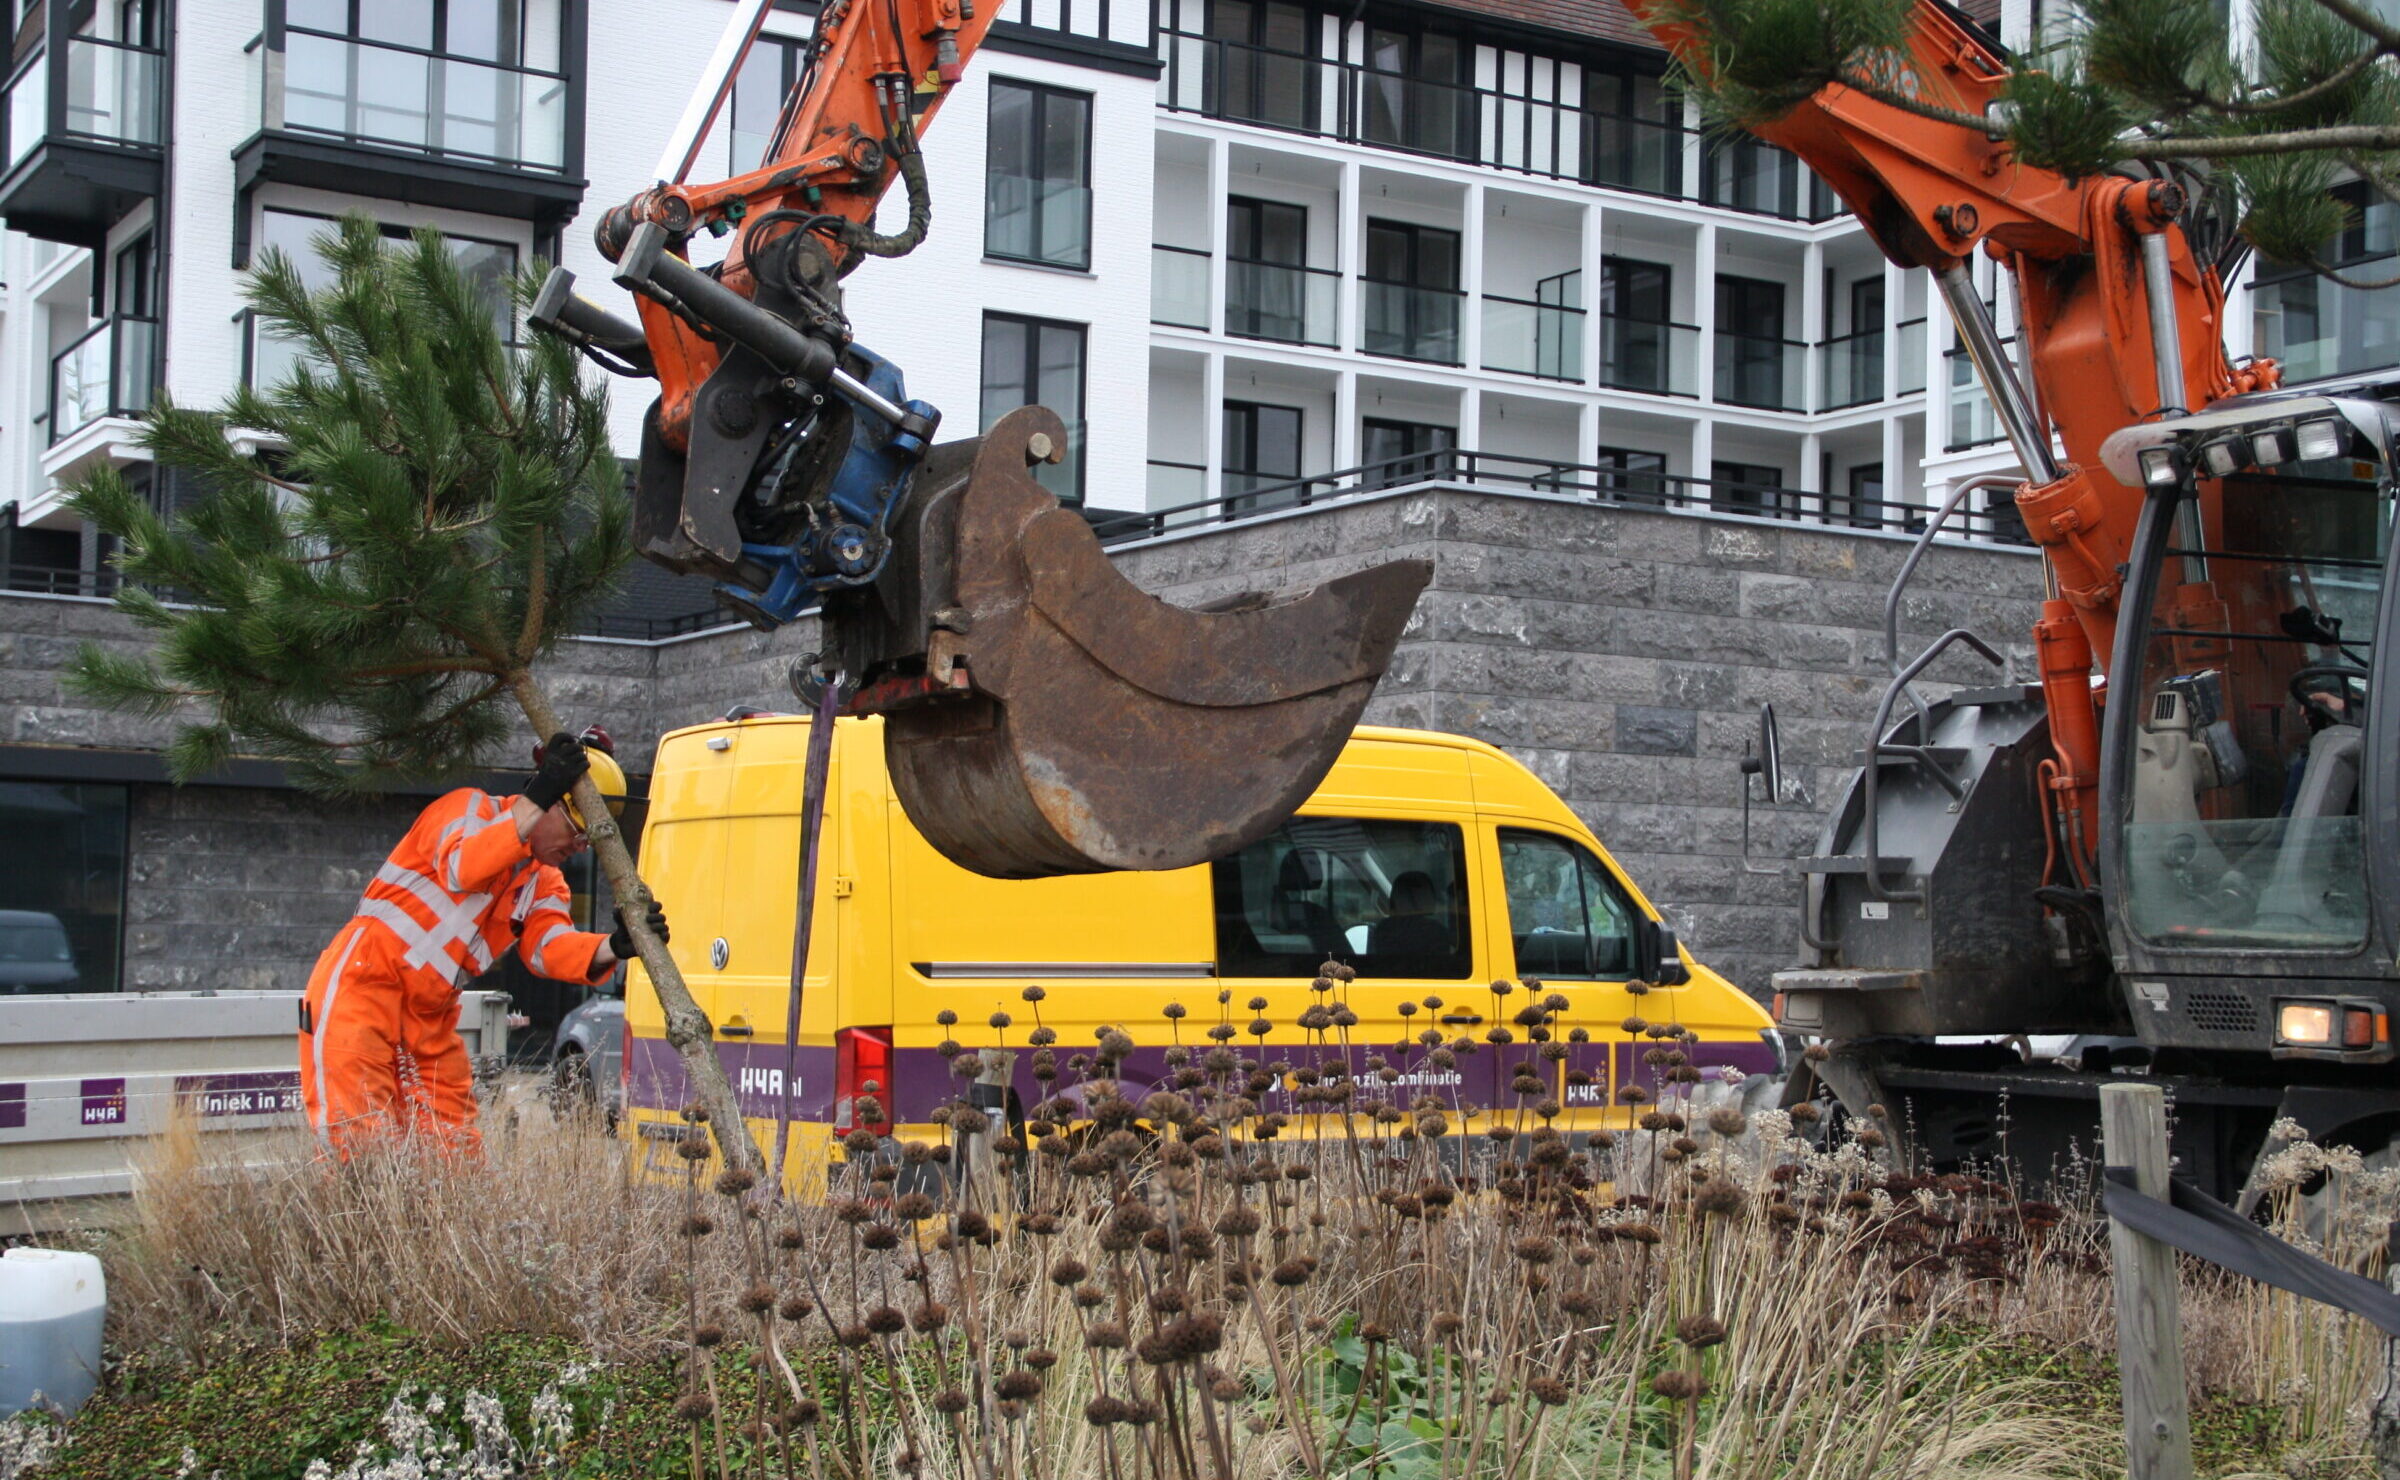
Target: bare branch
(2377, 137)
(2358, 17)
(2342, 77)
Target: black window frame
(1260, 61)
(392, 231)
(1757, 495)
(1626, 476)
(102, 922)
(1044, 97)
(1073, 463)
(1228, 470)
(512, 41)
(1411, 132)
(1417, 335)
(1425, 453)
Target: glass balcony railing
(109, 95)
(405, 98)
(1634, 154)
(1282, 302)
(2318, 327)
(1410, 323)
(1523, 338)
(1649, 355)
(1973, 423)
(1768, 374)
(1178, 287)
(1415, 114)
(1850, 369)
(1910, 378)
(1174, 484)
(1029, 220)
(108, 372)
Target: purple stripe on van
(655, 1078)
(1748, 1055)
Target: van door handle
(738, 1028)
(1462, 1019)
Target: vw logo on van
(719, 953)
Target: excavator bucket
(1045, 716)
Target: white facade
(1527, 374)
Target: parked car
(34, 953)
(586, 1056)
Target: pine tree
(2264, 131)
(364, 602)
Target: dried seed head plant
(1191, 1255)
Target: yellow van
(1431, 864)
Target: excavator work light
(2223, 457)
(2270, 447)
(2162, 467)
(2311, 1024)
(2320, 441)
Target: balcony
(83, 133)
(1406, 322)
(1649, 355)
(1633, 154)
(1178, 287)
(373, 118)
(1850, 368)
(1762, 373)
(106, 374)
(1539, 339)
(1283, 302)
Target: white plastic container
(52, 1306)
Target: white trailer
(86, 1080)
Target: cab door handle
(737, 1028)
(1462, 1019)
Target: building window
(1632, 476)
(1261, 450)
(1746, 488)
(1037, 362)
(1389, 898)
(1397, 452)
(1747, 175)
(1037, 176)
(760, 89)
(1412, 294)
(62, 887)
(1751, 353)
(1270, 291)
(444, 76)
(1638, 349)
(1864, 507)
(1412, 94)
(1261, 70)
(1634, 125)
(269, 357)
(2318, 327)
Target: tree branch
(2377, 137)
(537, 596)
(422, 666)
(2359, 18)
(2340, 78)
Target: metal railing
(107, 372)
(1758, 371)
(1328, 97)
(1173, 484)
(1407, 322)
(1282, 301)
(110, 96)
(1178, 286)
(1528, 338)
(410, 98)
(1246, 495)
(45, 580)
(1649, 355)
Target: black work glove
(563, 764)
(621, 940)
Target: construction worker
(477, 874)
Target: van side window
(1566, 914)
(1389, 898)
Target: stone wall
(1620, 652)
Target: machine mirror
(1765, 759)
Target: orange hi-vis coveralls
(379, 1044)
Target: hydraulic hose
(864, 239)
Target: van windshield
(1388, 898)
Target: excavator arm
(2120, 324)
(1042, 715)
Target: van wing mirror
(1658, 957)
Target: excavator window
(1387, 897)
(2246, 828)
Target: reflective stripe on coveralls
(324, 1015)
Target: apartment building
(1259, 253)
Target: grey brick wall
(1621, 653)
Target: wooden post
(2158, 1425)
(2383, 1419)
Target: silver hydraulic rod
(2010, 402)
(2166, 349)
(716, 83)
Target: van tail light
(862, 1079)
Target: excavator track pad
(1045, 716)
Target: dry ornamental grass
(1277, 1263)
